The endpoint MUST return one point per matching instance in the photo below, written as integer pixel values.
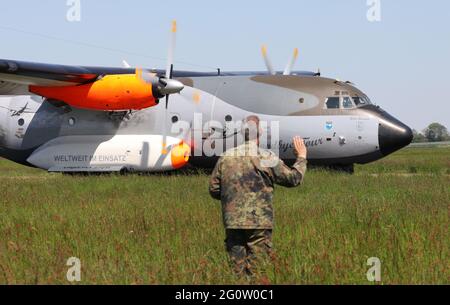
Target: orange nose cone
(180, 155)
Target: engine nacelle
(110, 93)
(111, 153)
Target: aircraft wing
(16, 76)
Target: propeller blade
(267, 61)
(170, 85)
(171, 71)
(172, 45)
(138, 73)
(125, 64)
(291, 63)
(164, 144)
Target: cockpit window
(333, 103)
(362, 100)
(347, 102)
(357, 100)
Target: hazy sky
(401, 62)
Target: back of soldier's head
(250, 128)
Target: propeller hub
(170, 86)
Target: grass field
(166, 230)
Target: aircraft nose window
(347, 102)
(21, 122)
(333, 103)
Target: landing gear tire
(124, 171)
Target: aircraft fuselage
(339, 124)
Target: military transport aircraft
(98, 119)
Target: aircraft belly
(104, 153)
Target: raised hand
(299, 147)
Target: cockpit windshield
(362, 100)
(347, 102)
(344, 100)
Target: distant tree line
(435, 132)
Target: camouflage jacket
(243, 180)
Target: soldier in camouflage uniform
(243, 180)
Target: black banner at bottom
(220, 294)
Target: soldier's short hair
(251, 128)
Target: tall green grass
(165, 229)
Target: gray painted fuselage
(357, 134)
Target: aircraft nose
(393, 134)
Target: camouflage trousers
(249, 249)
